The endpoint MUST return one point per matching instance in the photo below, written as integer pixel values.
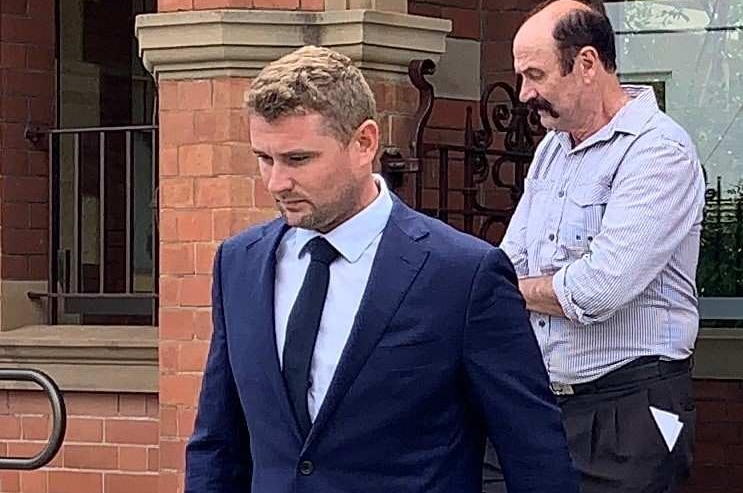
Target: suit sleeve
(509, 384)
(218, 454)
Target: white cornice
(198, 44)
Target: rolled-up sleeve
(657, 198)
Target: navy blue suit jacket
(441, 354)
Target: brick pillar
(26, 98)
(210, 187)
(209, 190)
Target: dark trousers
(614, 440)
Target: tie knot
(322, 251)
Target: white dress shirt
(357, 240)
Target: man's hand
(539, 295)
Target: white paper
(669, 425)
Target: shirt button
(561, 194)
(542, 323)
(306, 467)
(551, 237)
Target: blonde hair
(314, 80)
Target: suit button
(306, 467)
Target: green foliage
(720, 270)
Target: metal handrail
(59, 419)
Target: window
(104, 258)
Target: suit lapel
(261, 275)
(398, 260)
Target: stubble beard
(330, 215)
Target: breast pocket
(582, 219)
(392, 355)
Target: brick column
(209, 182)
(209, 190)
(26, 98)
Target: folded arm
(656, 199)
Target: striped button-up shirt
(617, 221)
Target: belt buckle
(561, 388)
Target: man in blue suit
(359, 346)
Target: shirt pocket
(584, 212)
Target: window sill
(719, 354)
(125, 359)
(85, 358)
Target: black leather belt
(634, 372)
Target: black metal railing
(59, 419)
(98, 240)
(483, 170)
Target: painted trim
(85, 358)
(212, 43)
(719, 354)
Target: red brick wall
(718, 465)
(492, 22)
(464, 14)
(396, 104)
(110, 446)
(172, 5)
(26, 95)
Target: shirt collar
(353, 237)
(629, 119)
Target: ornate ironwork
(394, 165)
(514, 119)
(492, 169)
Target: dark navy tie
(302, 327)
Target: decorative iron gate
(475, 184)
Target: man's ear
(589, 62)
(367, 139)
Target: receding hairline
(554, 13)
